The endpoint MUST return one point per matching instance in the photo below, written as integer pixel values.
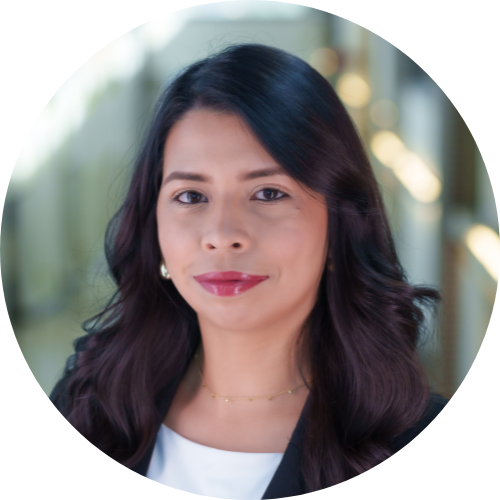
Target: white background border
(43, 42)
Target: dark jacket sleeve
(59, 394)
(434, 407)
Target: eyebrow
(185, 176)
(264, 172)
(191, 176)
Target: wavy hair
(363, 332)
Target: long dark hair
(363, 332)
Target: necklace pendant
(289, 391)
(227, 400)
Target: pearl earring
(164, 271)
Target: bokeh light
(353, 90)
(417, 177)
(408, 166)
(325, 61)
(484, 243)
(386, 147)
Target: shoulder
(434, 406)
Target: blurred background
(73, 171)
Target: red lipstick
(225, 284)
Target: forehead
(208, 140)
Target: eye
(270, 194)
(190, 198)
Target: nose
(225, 230)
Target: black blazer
(287, 480)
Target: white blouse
(189, 466)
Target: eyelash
(177, 196)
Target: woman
(262, 339)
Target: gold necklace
(270, 397)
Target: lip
(228, 283)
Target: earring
(329, 264)
(164, 271)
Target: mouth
(228, 283)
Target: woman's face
(244, 243)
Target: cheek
(176, 239)
(300, 242)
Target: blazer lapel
(288, 480)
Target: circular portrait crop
(250, 250)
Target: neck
(243, 364)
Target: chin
(235, 316)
